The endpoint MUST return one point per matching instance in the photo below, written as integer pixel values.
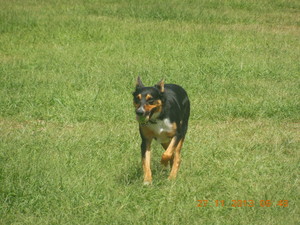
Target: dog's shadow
(130, 175)
(134, 174)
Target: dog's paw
(147, 182)
(172, 177)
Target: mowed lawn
(69, 142)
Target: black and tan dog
(162, 112)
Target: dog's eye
(151, 101)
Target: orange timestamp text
(242, 203)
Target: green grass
(69, 143)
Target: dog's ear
(139, 83)
(161, 86)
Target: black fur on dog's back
(176, 106)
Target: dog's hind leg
(165, 146)
(176, 160)
(168, 154)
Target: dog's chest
(162, 130)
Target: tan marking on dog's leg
(147, 166)
(176, 160)
(167, 156)
(165, 146)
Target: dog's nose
(140, 111)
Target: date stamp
(243, 203)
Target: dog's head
(148, 101)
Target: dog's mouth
(146, 117)
(142, 119)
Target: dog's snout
(140, 111)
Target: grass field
(69, 143)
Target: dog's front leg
(146, 156)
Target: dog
(162, 112)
